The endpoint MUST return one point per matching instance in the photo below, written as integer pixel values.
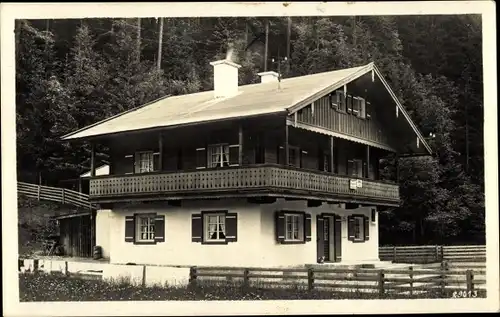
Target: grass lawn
(56, 287)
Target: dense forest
(71, 73)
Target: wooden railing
(433, 253)
(441, 280)
(242, 178)
(61, 195)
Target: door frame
(331, 217)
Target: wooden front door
(328, 238)
(337, 237)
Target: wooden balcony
(248, 181)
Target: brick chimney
(268, 77)
(225, 78)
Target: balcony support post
(367, 161)
(397, 168)
(240, 143)
(287, 149)
(332, 161)
(160, 150)
(92, 159)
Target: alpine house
(280, 173)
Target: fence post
(442, 253)
(470, 277)
(62, 195)
(66, 272)
(381, 284)
(143, 275)
(310, 279)
(394, 254)
(437, 253)
(411, 280)
(246, 278)
(192, 276)
(38, 194)
(444, 268)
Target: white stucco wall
(103, 226)
(256, 245)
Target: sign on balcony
(355, 183)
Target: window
(355, 168)
(145, 162)
(294, 155)
(215, 227)
(145, 228)
(218, 155)
(358, 228)
(337, 101)
(293, 226)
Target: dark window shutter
(321, 160)
(341, 100)
(281, 155)
(338, 237)
(234, 154)
(231, 227)
(156, 161)
(280, 226)
(350, 228)
(159, 228)
(196, 228)
(355, 106)
(334, 101)
(366, 227)
(350, 167)
(302, 159)
(307, 227)
(365, 170)
(349, 103)
(320, 230)
(201, 157)
(368, 110)
(374, 211)
(129, 163)
(129, 229)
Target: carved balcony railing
(273, 180)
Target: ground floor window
(358, 230)
(145, 228)
(294, 227)
(215, 227)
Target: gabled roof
(254, 99)
(291, 95)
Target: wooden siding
(327, 118)
(265, 178)
(76, 236)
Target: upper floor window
(294, 155)
(355, 168)
(145, 161)
(218, 155)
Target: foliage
(57, 287)
(71, 73)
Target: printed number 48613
(465, 294)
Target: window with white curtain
(218, 155)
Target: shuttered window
(340, 99)
(358, 229)
(214, 227)
(368, 110)
(145, 228)
(292, 227)
(349, 103)
(201, 158)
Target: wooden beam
(332, 157)
(367, 161)
(92, 160)
(287, 147)
(160, 150)
(240, 142)
(397, 168)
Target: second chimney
(268, 77)
(225, 78)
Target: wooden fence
(433, 253)
(444, 280)
(61, 195)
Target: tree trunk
(138, 40)
(266, 45)
(288, 36)
(160, 42)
